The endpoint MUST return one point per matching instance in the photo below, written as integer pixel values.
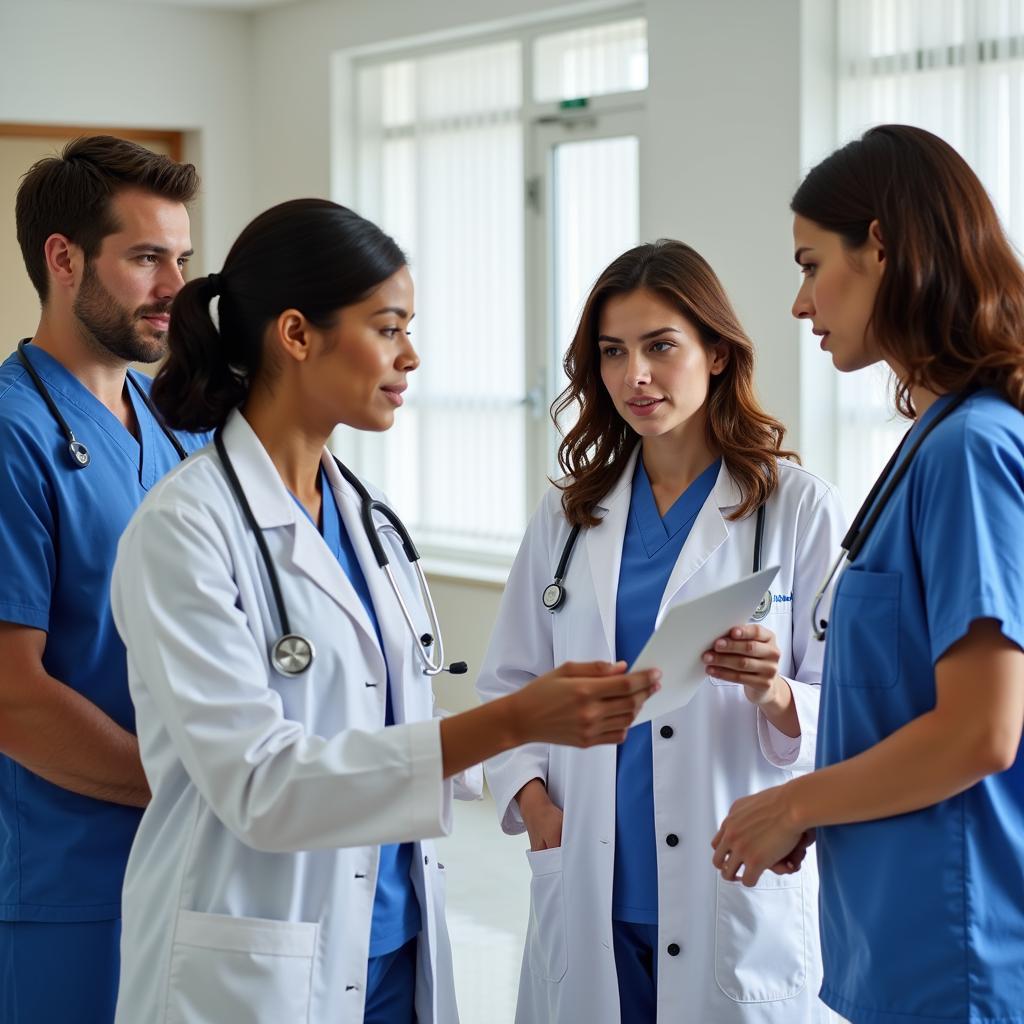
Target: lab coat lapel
(394, 632)
(604, 547)
(275, 509)
(709, 532)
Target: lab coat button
(673, 949)
(667, 732)
(426, 860)
(672, 839)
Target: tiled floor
(488, 906)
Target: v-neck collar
(655, 529)
(330, 515)
(328, 511)
(60, 381)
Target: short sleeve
(969, 525)
(27, 524)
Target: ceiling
(223, 5)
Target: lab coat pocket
(545, 940)
(864, 626)
(227, 968)
(760, 941)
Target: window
(591, 61)
(956, 68)
(458, 152)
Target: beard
(115, 330)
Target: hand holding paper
(687, 631)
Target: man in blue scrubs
(104, 232)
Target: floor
(488, 906)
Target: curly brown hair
(594, 450)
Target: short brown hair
(70, 194)
(597, 446)
(950, 305)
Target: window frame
(479, 561)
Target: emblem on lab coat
(763, 608)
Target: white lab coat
(250, 885)
(746, 956)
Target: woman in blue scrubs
(669, 467)
(919, 803)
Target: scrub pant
(391, 987)
(636, 963)
(60, 971)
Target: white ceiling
(224, 5)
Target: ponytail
(308, 254)
(199, 384)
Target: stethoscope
(555, 593)
(863, 523)
(80, 457)
(292, 653)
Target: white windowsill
(465, 571)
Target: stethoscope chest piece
(553, 596)
(79, 454)
(762, 610)
(292, 654)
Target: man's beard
(112, 328)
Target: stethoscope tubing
(555, 592)
(432, 665)
(874, 505)
(80, 456)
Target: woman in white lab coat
(666, 467)
(282, 871)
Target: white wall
(130, 65)
(723, 158)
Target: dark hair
(71, 194)
(310, 254)
(950, 305)
(592, 453)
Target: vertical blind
(441, 168)
(441, 142)
(956, 68)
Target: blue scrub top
(396, 911)
(922, 915)
(62, 855)
(650, 550)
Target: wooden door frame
(175, 141)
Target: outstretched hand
(580, 704)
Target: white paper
(687, 631)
